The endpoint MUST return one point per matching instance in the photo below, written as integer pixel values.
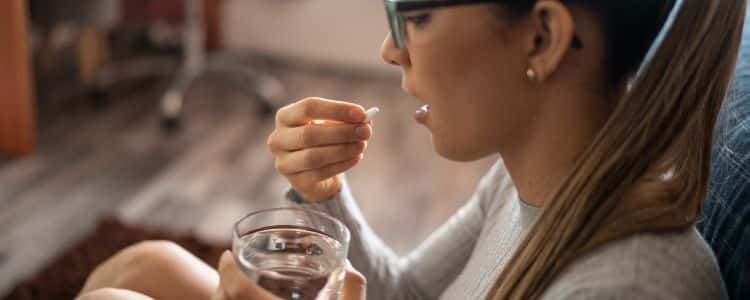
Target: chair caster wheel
(170, 124)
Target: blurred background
(124, 120)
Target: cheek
(480, 115)
(475, 91)
(461, 134)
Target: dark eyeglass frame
(395, 8)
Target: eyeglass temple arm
(407, 5)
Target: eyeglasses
(395, 10)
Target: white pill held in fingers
(371, 113)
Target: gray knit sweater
(463, 257)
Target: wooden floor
(215, 169)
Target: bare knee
(113, 294)
(159, 269)
(132, 265)
(149, 251)
(147, 259)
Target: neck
(565, 128)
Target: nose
(393, 55)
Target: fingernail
(362, 132)
(357, 115)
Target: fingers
(315, 158)
(355, 285)
(317, 139)
(236, 285)
(296, 138)
(309, 180)
(304, 111)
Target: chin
(458, 152)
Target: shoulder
(674, 265)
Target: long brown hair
(647, 170)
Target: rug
(65, 276)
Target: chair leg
(93, 56)
(265, 87)
(173, 101)
(192, 64)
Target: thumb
(355, 285)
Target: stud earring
(531, 74)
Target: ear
(551, 38)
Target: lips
(425, 108)
(422, 114)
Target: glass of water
(294, 253)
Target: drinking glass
(294, 253)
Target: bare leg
(158, 269)
(113, 294)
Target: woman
(602, 173)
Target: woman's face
(469, 67)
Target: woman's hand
(311, 155)
(235, 285)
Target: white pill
(371, 113)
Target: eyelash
(418, 20)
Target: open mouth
(422, 114)
(424, 108)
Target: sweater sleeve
(425, 272)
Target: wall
(322, 31)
